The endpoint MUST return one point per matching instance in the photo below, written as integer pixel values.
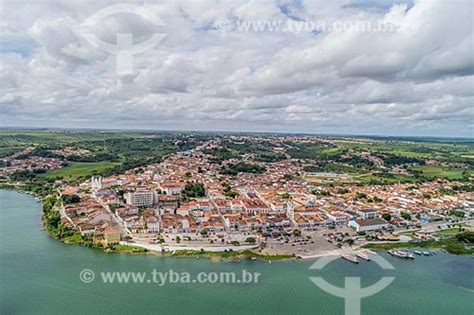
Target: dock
(363, 256)
(351, 258)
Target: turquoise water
(39, 275)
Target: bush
(67, 199)
(250, 240)
(466, 237)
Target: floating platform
(351, 258)
(363, 256)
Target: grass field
(436, 171)
(77, 169)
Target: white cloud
(417, 79)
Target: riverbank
(461, 244)
(51, 222)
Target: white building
(171, 188)
(367, 213)
(368, 225)
(140, 198)
(338, 218)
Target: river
(40, 275)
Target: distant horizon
(154, 130)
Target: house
(338, 218)
(111, 236)
(152, 224)
(255, 206)
(235, 205)
(204, 205)
(171, 187)
(86, 229)
(171, 202)
(368, 225)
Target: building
(368, 225)
(171, 188)
(367, 213)
(338, 218)
(111, 236)
(139, 198)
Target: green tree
(71, 199)
(296, 233)
(250, 240)
(405, 215)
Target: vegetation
(405, 215)
(450, 173)
(229, 192)
(250, 240)
(127, 249)
(452, 246)
(225, 255)
(460, 244)
(269, 157)
(79, 169)
(193, 190)
(234, 169)
(70, 199)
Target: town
(195, 201)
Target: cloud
(416, 78)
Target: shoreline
(451, 245)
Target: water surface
(39, 275)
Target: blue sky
(408, 71)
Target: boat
(395, 253)
(406, 254)
(363, 256)
(253, 258)
(426, 253)
(351, 258)
(400, 254)
(417, 252)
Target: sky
(376, 67)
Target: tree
(387, 217)
(343, 191)
(71, 199)
(405, 215)
(296, 232)
(250, 240)
(193, 190)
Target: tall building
(140, 198)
